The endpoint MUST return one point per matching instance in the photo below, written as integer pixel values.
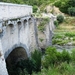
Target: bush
(59, 57)
(66, 56)
(70, 34)
(22, 67)
(35, 8)
(60, 18)
(36, 57)
(50, 57)
(71, 11)
(26, 65)
(56, 23)
(73, 55)
(57, 4)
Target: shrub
(63, 67)
(50, 57)
(35, 8)
(56, 23)
(26, 65)
(57, 3)
(41, 27)
(70, 34)
(36, 57)
(60, 18)
(66, 56)
(71, 11)
(59, 57)
(73, 55)
(22, 67)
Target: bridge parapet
(9, 10)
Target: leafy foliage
(66, 56)
(35, 8)
(43, 23)
(66, 6)
(73, 55)
(36, 57)
(60, 18)
(26, 66)
(22, 67)
(71, 11)
(56, 23)
(52, 57)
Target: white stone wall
(16, 33)
(8, 10)
(3, 70)
(15, 36)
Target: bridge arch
(16, 55)
(6, 54)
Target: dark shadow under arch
(16, 55)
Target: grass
(65, 64)
(62, 69)
(65, 32)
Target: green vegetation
(41, 39)
(22, 67)
(35, 8)
(43, 23)
(60, 18)
(34, 3)
(73, 56)
(60, 42)
(36, 57)
(65, 32)
(52, 63)
(56, 23)
(57, 63)
(62, 69)
(52, 57)
(71, 11)
(66, 6)
(70, 34)
(26, 66)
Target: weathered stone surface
(19, 29)
(9, 10)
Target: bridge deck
(9, 10)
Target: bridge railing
(9, 10)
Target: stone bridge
(17, 32)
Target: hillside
(41, 4)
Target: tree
(71, 3)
